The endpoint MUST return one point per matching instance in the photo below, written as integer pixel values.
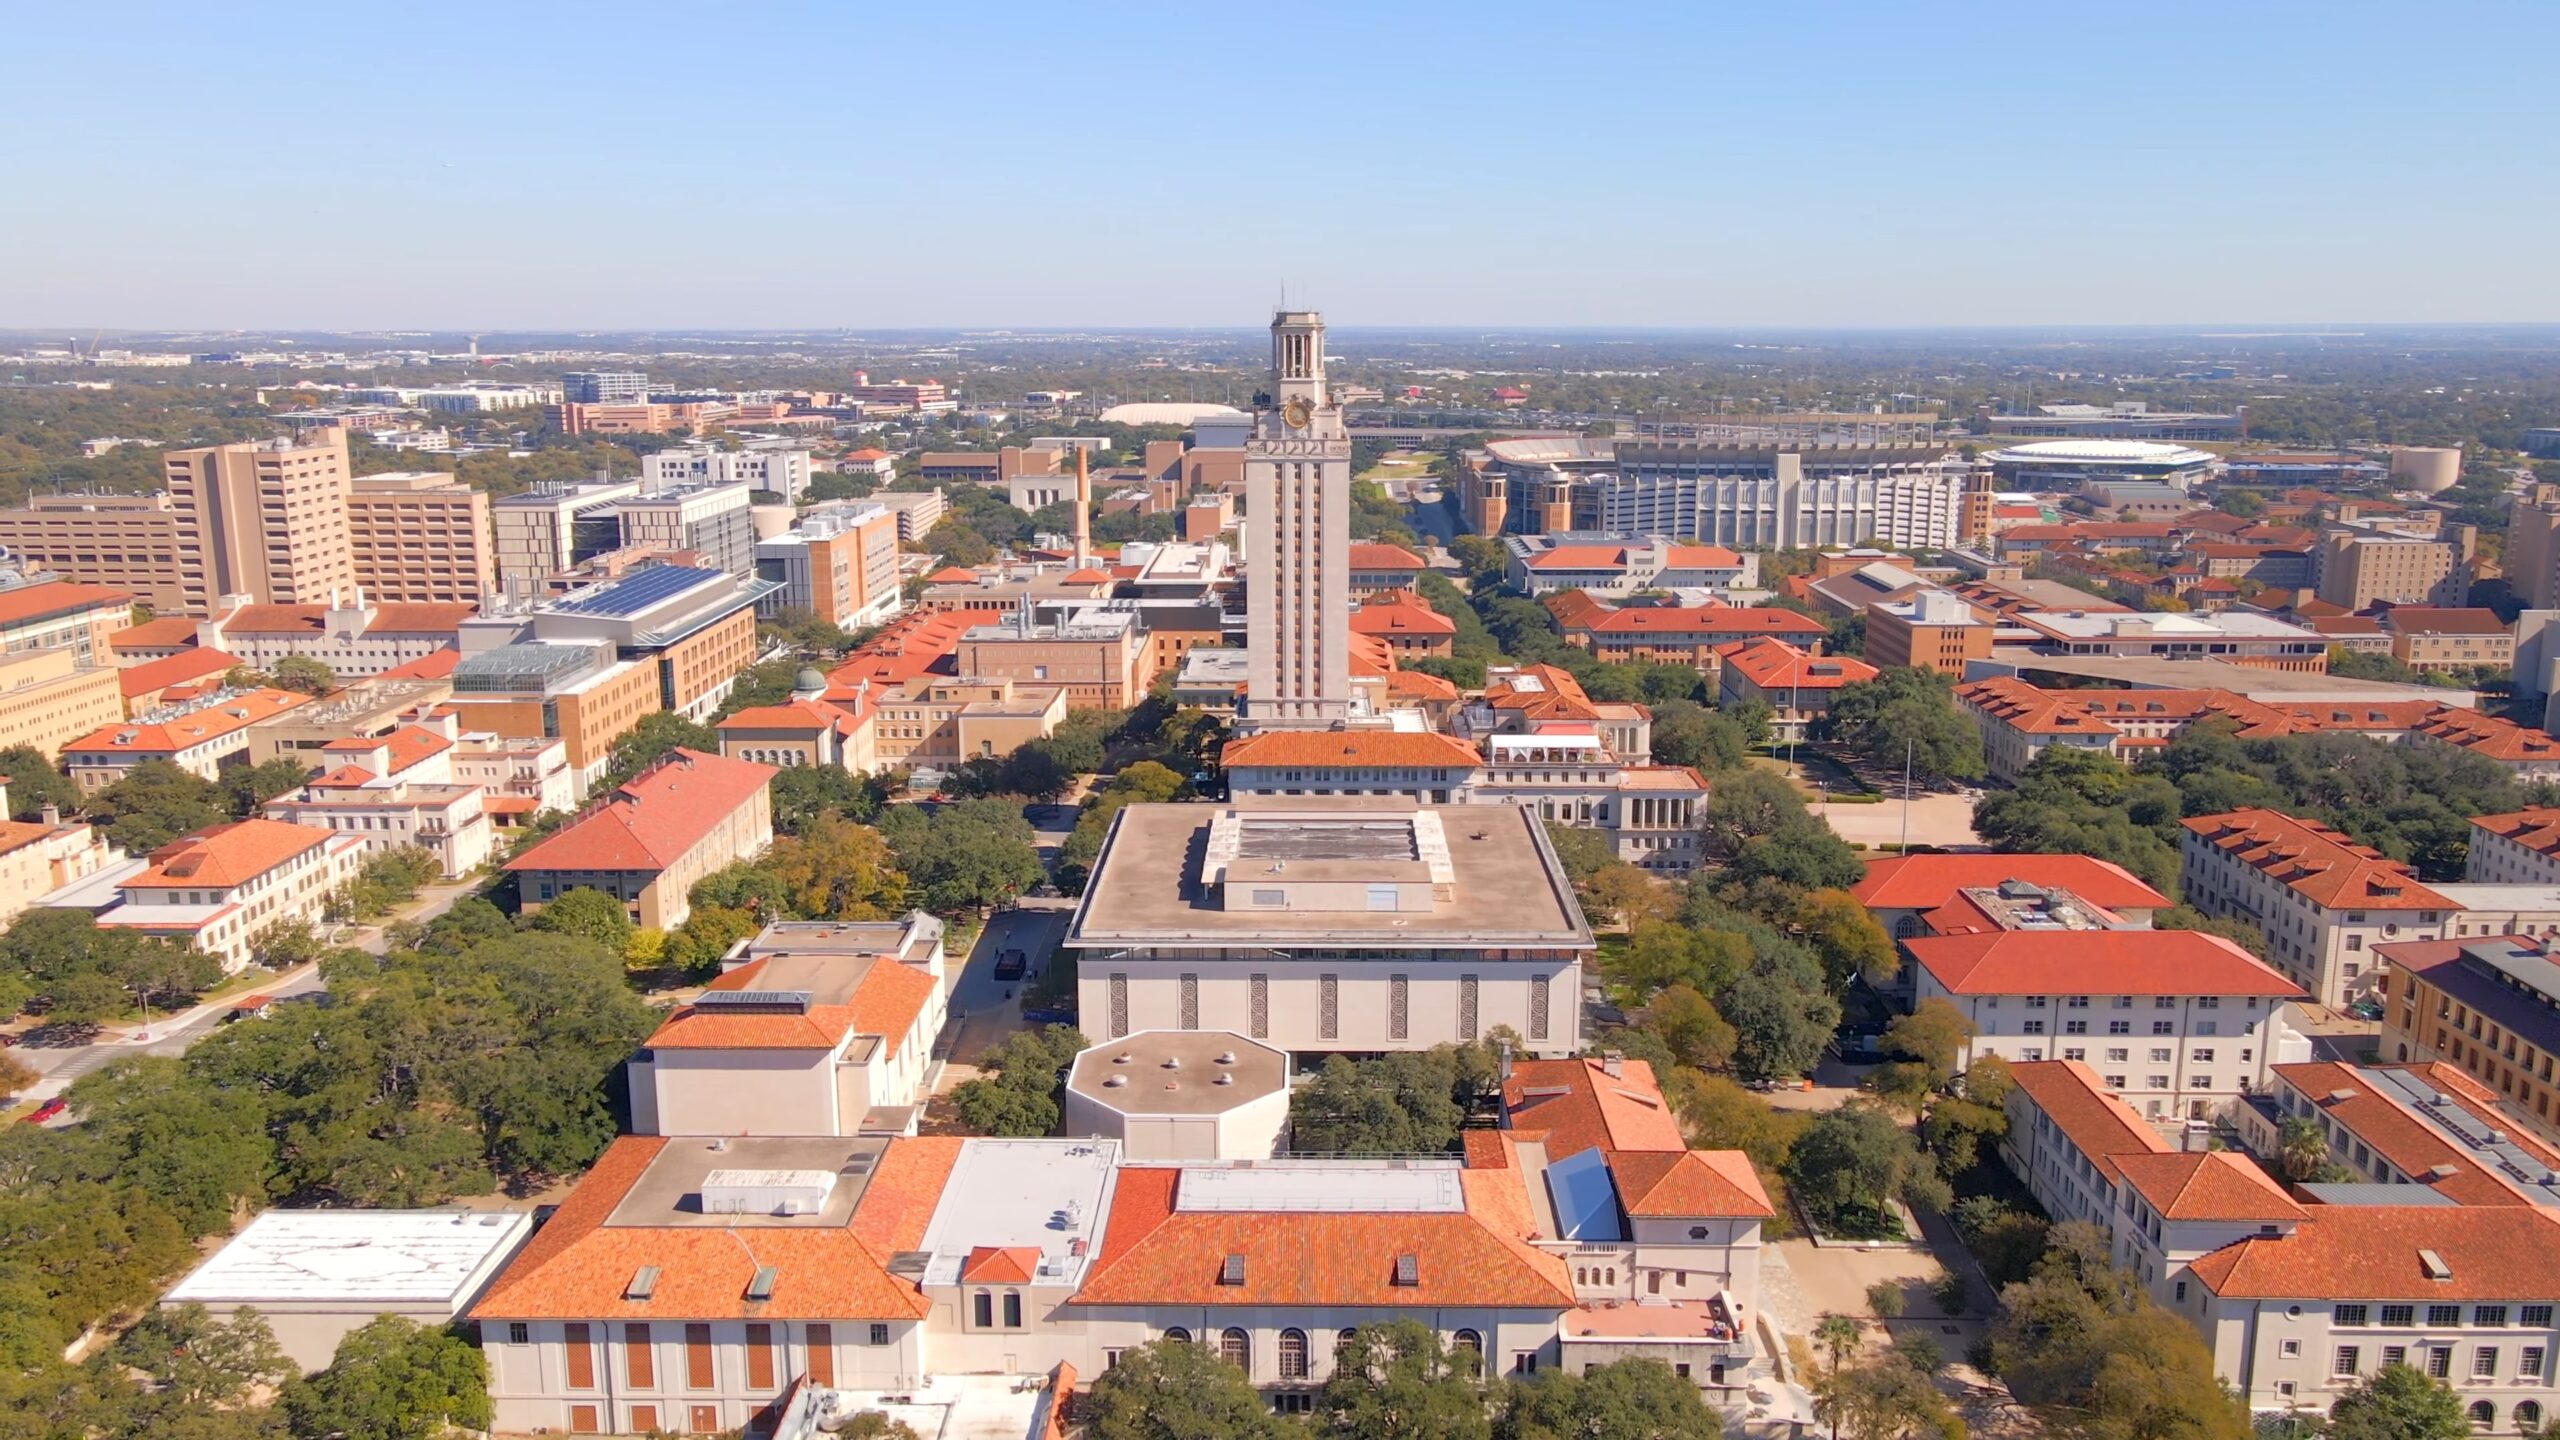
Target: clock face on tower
(1297, 412)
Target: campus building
(654, 836)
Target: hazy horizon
(1496, 166)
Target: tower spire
(1084, 513)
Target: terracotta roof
(2315, 862)
(2207, 1185)
(407, 746)
(2537, 830)
(1087, 576)
(910, 648)
(2344, 625)
(577, 1267)
(655, 819)
(2409, 1144)
(195, 728)
(804, 716)
(155, 634)
(2492, 1252)
(398, 619)
(1352, 748)
(1479, 1257)
(953, 575)
(2098, 1124)
(1419, 685)
(1580, 1106)
(153, 676)
(2430, 620)
(1370, 555)
(1777, 665)
(1924, 882)
(48, 599)
(435, 665)
(2488, 736)
(2116, 962)
(866, 453)
(1541, 692)
(885, 1002)
(1688, 1183)
(1705, 621)
(1403, 614)
(222, 856)
(1001, 1265)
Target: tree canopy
(1907, 712)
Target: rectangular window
(879, 1334)
(706, 1419)
(2350, 1315)
(644, 1418)
(639, 1358)
(582, 1355)
(2034, 1027)
(585, 1420)
(2075, 1027)
(2440, 1361)
(2289, 1348)
(822, 1354)
(1012, 1310)
(2488, 1314)
(2484, 1362)
(519, 1333)
(697, 1361)
(2344, 1363)
(2399, 1314)
(759, 1357)
(2395, 1354)
(2529, 1363)
(986, 1310)
(2535, 1315)
(2444, 1314)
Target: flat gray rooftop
(2143, 672)
(1044, 1195)
(1509, 890)
(669, 1192)
(1176, 1072)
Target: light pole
(1906, 795)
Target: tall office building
(1297, 472)
(266, 520)
(421, 537)
(2532, 560)
(604, 387)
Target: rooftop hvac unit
(766, 1192)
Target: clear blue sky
(885, 164)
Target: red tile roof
(577, 1266)
(1401, 612)
(1332, 749)
(953, 575)
(2493, 1252)
(2099, 1125)
(653, 821)
(2537, 830)
(1688, 1183)
(2118, 962)
(799, 716)
(1419, 685)
(2409, 1144)
(910, 648)
(1578, 1105)
(407, 746)
(164, 632)
(2207, 1185)
(2430, 620)
(153, 676)
(222, 856)
(1156, 1254)
(397, 619)
(1001, 1264)
(1370, 555)
(2315, 862)
(1925, 882)
(1777, 665)
(2488, 736)
(435, 665)
(197, 727)
(886, 1002)
(49, 599)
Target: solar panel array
(638, 591)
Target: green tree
(1403, 1102)
(305, 675)
(1689, 1025)
(1399, 1381)
(835, 870)
(1847, 938)
(156, 1126)
(645, 744)
(1781, 1015)
(2398, 1402)
(200, 1362)
(1020, 1083)
(155, 803)
(1907, 713)
(1719, 1114)
(588, 914)
(1850, 1161)
(1838, 1337)
(2302, 1152)
(1631, 1398)
(34, 783)
(966, 857)
(958, 543)
(1663, 953)
(1177, 1390)
(1884, 1400)
(803, 793)
(2080, 1340)
(1688, 733)
(1933, 1037)
(2007, 1242)
(392, 1379)
(1583, 852)
(2082, 802)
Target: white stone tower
(1297, 534)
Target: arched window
(2483, 1413)
(1610, 1277)
(1581, 1276)
(1466, 1352)
(1293, 1354)
(1906, 928)
(1236, 1348)
(1342, 1345)
(2527, 1415)
(1178, 1334)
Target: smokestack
(1084, 512)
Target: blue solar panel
(638, 591)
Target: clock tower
(1297, 541)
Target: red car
(47, 1110)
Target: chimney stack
(1084, 512)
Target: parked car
(1010, 964)
(47, 1110)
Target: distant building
(2072, 465)
(1620, 565)
(549, 529)
(1100, 657)
(603, 387)
(199, 736)
(2122, 420)
(394, 791)
(265, 521)
(421, 538)
(1796, 686)
(917, 511)
(1933, 630)
(778, 467)
(355, 638)
(223, 889)
(713, 521)
(650, 840)
(2426, 638)
(840, 565)
(2360, 570)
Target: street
(984, 1009)
(174, 1034)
